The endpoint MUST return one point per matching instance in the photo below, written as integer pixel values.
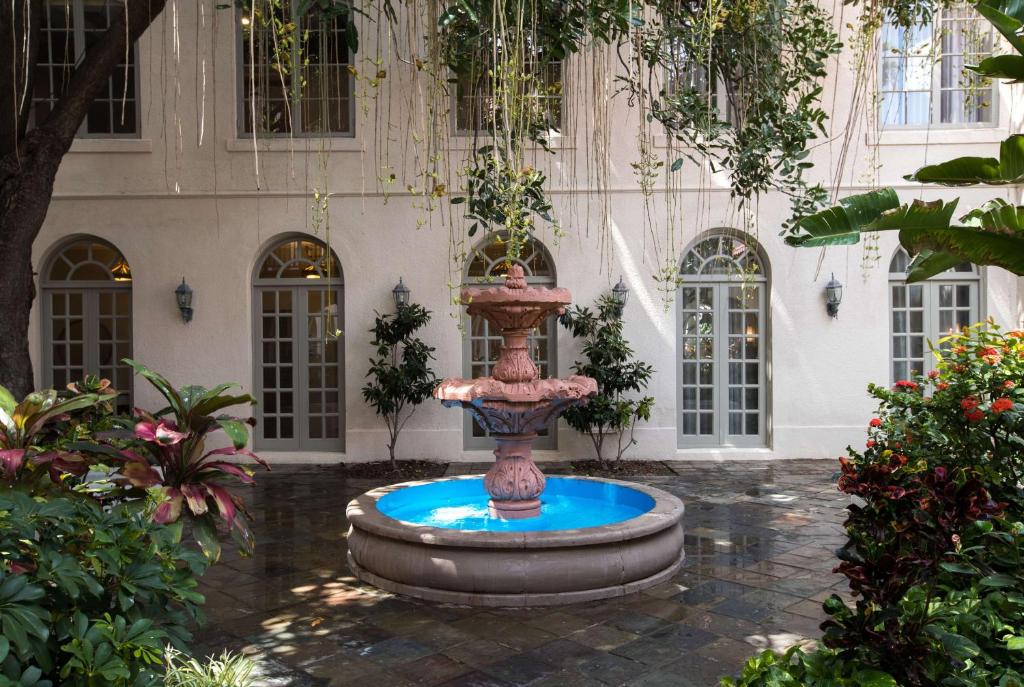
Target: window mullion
(295, 100)
(78, 30)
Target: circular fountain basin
(595, 538)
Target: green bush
(90, 595)
(935, 555)
(613, 411)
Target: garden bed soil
(405, 470)
(620, 468)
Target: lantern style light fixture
(620, 293)
(401, 294)
(833, 296)
(183, 294)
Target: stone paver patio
(760, 542)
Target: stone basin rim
(668, 511)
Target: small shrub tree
(609, 361)
(401, 377)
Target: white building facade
(746, 367)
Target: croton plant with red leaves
(935, 555)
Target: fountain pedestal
(514, 481)
(513, 404)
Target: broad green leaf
(1000, 67)
(918, 214)
(873, 678)
(970, 244)
(928, 263)
(161, 384)
(967, 171)
(238, 431)
(1005, 17)
(843, 223)
(1015, 643)
(7, 402)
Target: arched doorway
(722, 386)
(87, 316)
(297, 347)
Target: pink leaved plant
(25, 441)
(167, 452)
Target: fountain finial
(515, 279)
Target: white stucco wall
(176, 208)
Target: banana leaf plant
(24, 434)
(168, 453)
(992, 234)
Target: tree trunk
(29, 161)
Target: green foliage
(90, 595)
(990, 235)
(771, 58)
(401, 377)
(227, 670)
(935, 555)
(609, 361)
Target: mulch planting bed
(404, 470)
(620, 468)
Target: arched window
(926, 311)
(722, 322)
(298, 353)
(486, 267)
(87, 317)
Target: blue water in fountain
(567, 503)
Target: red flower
(974, 415)
(1009, 384)
(942, 386)
(969, 403)
(1001, 405)
(933, 374)
(959, 349)
(990, 355)
(871, 442)
(906, 385)
(875, 422)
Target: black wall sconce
(401, 294)
(183, 294)
(620, 294)
(833, 296)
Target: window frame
(296, 107)
(455, 100)
(930, 310)
(936, 90)
(77, 17)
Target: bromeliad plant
(168, 453)
(609, 361)
(26, 441)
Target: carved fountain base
(514, 481)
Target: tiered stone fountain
(513, 403)
(513, 537)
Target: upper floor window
(70, 27)
(477, 109)
(687, 75)
(294, 72)
(923, 81)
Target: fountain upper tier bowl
(437, 540)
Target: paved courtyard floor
(760, 539)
